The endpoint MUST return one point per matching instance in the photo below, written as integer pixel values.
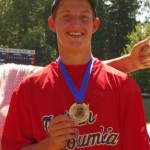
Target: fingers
(58, 140)
(145, 51)
(61, 129)
(61, 122)
(148, 40)
(144, 56)
(67, 131)
(140, 54)
(146, 64)
(142, 43)
(63, 125)
(61, 118)
(145, 61)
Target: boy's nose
(76, 21)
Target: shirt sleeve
(10, 76)
(18, 129)
(132, 118)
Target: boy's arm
(139, 58)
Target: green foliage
(146, 107)
(117, 21)
(36, 39)
(143, 80)
(142, 77)
(100, 45)
(24, 25)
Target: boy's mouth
(75, 34)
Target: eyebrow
(68, 11)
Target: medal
(79, 112)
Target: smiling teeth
(76, 34)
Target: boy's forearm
(139, 58)
(122, 63)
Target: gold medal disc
(79, 112)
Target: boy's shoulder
(108, 69)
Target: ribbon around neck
(79, 95)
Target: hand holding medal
(79, 111)
(61, 129)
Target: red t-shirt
(116, 120)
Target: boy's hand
(61, 129)
(140, 54)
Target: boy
(76, 102)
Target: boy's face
(74, 24)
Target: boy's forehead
(92, 2)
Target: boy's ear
(96, 24)
(51, 23)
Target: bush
(142, 78)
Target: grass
(146, 100)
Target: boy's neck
(77, 59)
(75, 56)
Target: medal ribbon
(78, 95)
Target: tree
(121, 21)
(5, 19)
(24, 25)
(100, 45)
(118, 19)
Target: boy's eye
(85, 17)
(66, 17)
